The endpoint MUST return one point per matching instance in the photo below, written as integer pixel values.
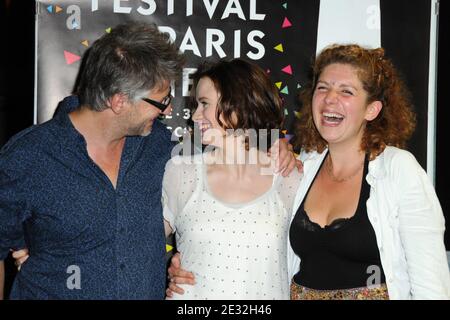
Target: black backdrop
(408, 33)
(17, 77)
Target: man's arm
(2, 279)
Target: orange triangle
(58, 9)
(85, 43)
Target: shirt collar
(70, 133)
(377, 168)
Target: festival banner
(282, 36)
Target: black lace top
(341, 255)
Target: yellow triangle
(108, 30)
(297, 114)
(85, 43)
(168, 248)
(284, 131)
(278, 84)
(279, 47)
(58, 9)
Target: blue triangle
(50, 9)
(74, 25)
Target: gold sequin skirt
(379, 292)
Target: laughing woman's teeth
(333, 117)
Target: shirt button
(122, 266)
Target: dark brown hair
(396, 121)
(248, 99)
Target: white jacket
(408, 221)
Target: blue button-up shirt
(87, 240)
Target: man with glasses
(164, 104)
(83, 191)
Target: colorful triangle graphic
(85, 43)
(297, 114)
(286, 23)
(168, 248)
(108, 30)
(286, 112)
(279, 47)
(278, 84)
(298, 86)
(285, 90)
(287, 69)
(71, 57)
(50, 9)
(58, 9)
(285, 5)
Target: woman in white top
(231, 214)
(368, 223)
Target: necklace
(329, 169)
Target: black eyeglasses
(163, 104)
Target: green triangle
(298, 86)
(286, 112)
(108, 30)
(285, 90)
(285, 5)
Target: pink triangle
(70, 57)
(287, 69)
(286, 23)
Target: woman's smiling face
(339, 104)
(204, 116)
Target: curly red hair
(396, 121)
